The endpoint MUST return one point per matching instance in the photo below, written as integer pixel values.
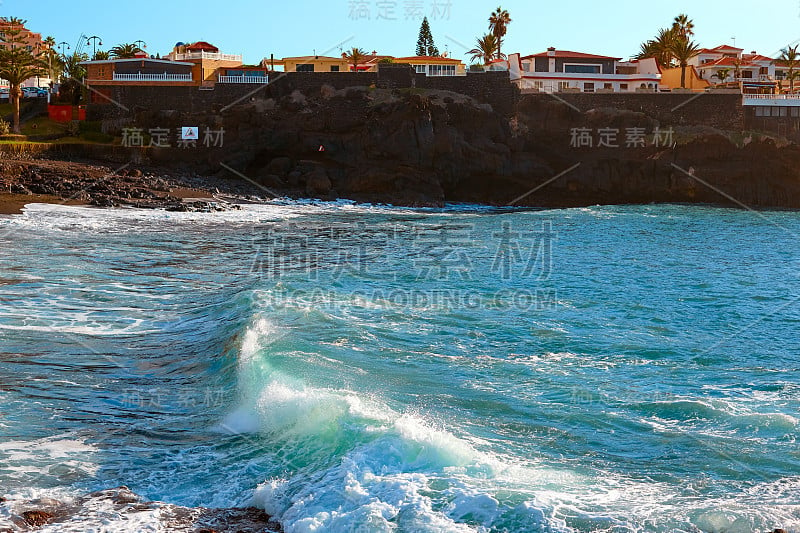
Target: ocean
(362, 368)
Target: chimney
(551, 52)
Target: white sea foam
(369, 467)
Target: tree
(683, 26)
(17, 64)
(100, 55)
(50, 57)
(355, 56)
(71, 76)
(487, 49)
(425, 45)
(722, 74)
(125, 51)
(498, 24)
(660, 48)
(791, 60)
(683, 50)
(791, 77)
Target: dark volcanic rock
(37, 518)
(280, 166)
(317, 182)
(121, 505)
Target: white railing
(242, 79)
(208, 55)
(771, 100)
(772, 96)
(152, 77)
(750, 80)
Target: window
(563, 85)
(780, 74)
(305, 68)
(441, 70)
(623, 86)
(420, 69)
(795, 111)
(608, 86)
(747, 73)
(334, 68)
(783, 111)
(588, 87)
(760, 111)
(538, 85)
(582, 69)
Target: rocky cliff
(425, 147)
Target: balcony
(152, 77)
(782, 100)
(213, 56)
(243, 79)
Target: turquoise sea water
(352, 368)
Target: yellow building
(435, 65)
(671, 77)
(312, 64)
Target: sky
(257, 29)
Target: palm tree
(100, 55)
(487, 49)
(52, 59)
(498, 24)
(660, 48)
(722, 74)
(125, 51)
(71, 76)
(355, 56)
(683, 26)
(683, 50)
(790, 59)
(791, 77)
(17, 64)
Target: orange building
(206, 57)
(671, 77)
(32, 41)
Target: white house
(754, 71)
(562, 70)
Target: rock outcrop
(413, 147)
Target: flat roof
(566, 54)
(135, 59)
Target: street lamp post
(93, 40)
(63, 44)
(142, 46)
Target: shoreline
(26, 181)
(125, 507)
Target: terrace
(151, 77)
(213, 56)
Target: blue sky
(256, 28)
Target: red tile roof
(720, 49)
(729, 62)
(566, 54)
(202, 45)
(755, 57)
